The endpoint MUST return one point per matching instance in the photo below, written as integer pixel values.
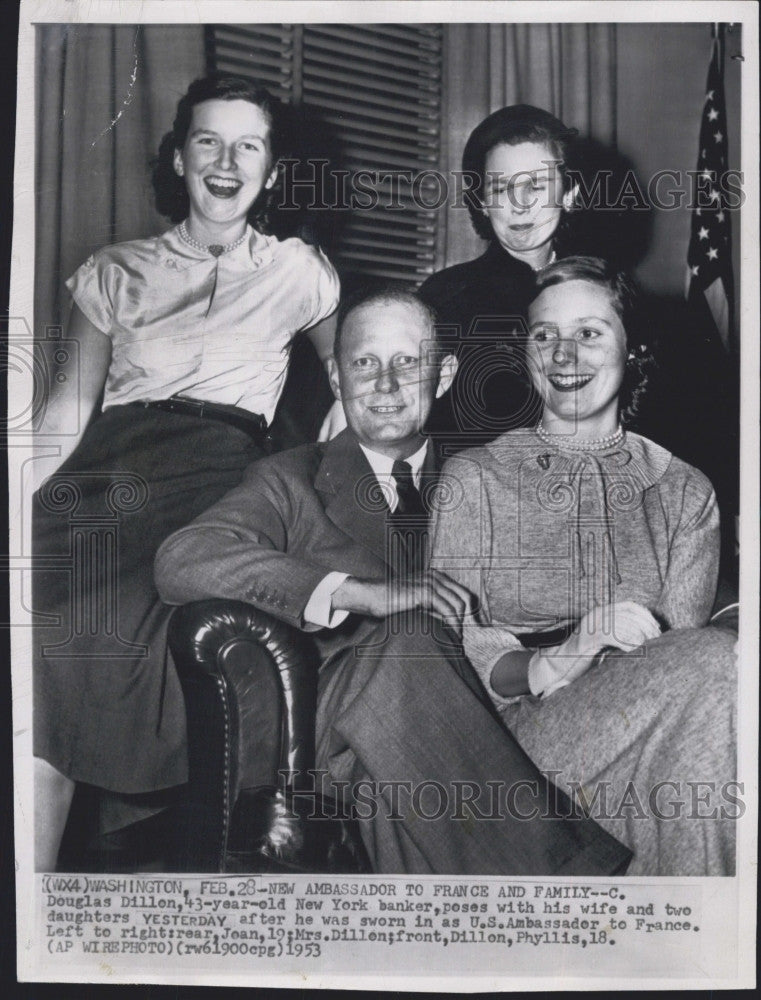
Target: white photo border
(726, 902)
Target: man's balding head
(378, 296)
(388, 369)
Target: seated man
(326, 537)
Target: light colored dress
(108, 706)
(541, 535)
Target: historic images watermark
(315, 185)
(526, 800)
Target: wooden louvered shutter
(379, 88)
(263, 52)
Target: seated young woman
(186, 336)
(592, 554)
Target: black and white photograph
(383, 492)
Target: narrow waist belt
(252, 424)
(552, 637)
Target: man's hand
(433, 591)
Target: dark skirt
(108, 709)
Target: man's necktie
(409, 502)
(408, 523)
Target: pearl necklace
(565, 442)
(215, 249)
(552, 259)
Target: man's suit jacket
(394, 705)
(296, 516)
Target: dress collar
(177, 255)
(637, 460)
(496, 256)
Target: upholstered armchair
(250, 687)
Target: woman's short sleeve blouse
(184, 322)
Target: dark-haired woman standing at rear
(520, 190)
(186, 336)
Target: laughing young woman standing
(186, 337)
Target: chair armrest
(250, 657)
(250, 687)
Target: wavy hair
(171, 196)
(626, 300)
(513, 125)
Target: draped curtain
(105, 96)
(568, 69)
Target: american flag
(709, 262)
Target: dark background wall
(660, 89)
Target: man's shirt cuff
(319, 612)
